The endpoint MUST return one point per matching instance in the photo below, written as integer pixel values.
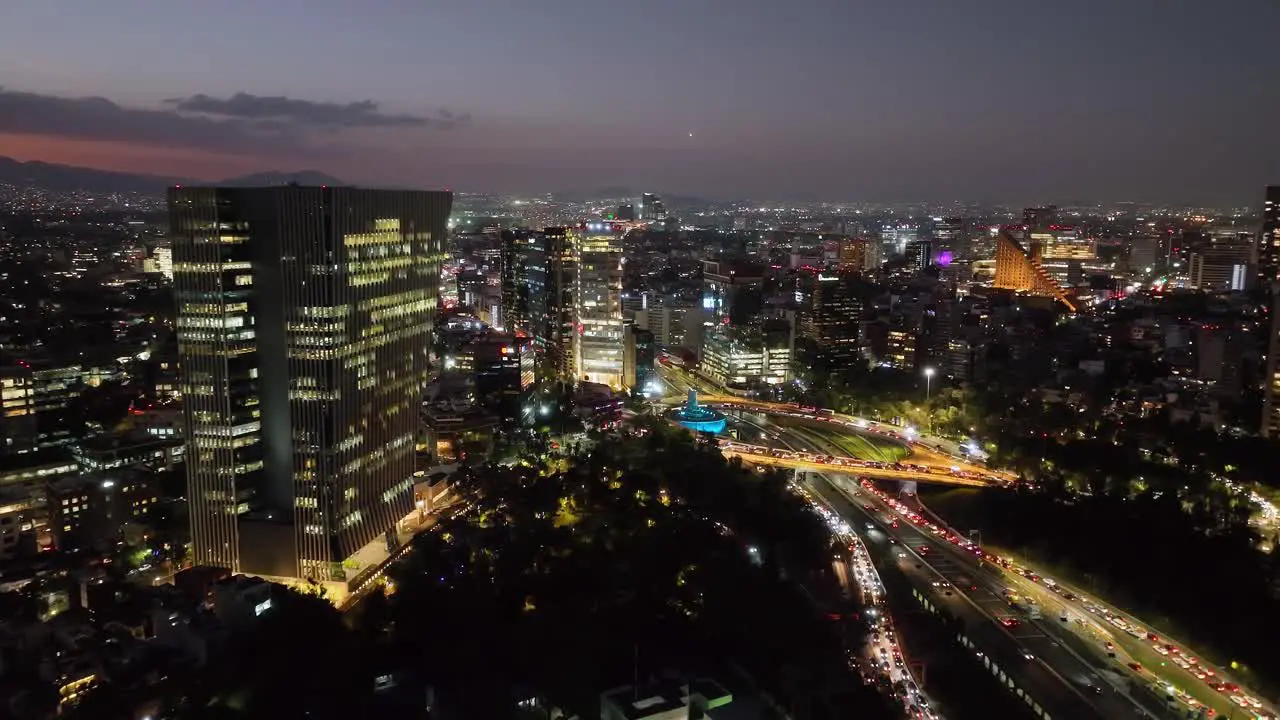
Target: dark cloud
(270, 134)
(306, 112)
(95, 118)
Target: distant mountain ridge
(69, 178)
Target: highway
(882, 656)
(1169, 668)
(1061, 683)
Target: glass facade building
(304, 320)
(599, 309)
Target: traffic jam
(881, 663)
(822, 460)
(1179, 656)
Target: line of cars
(1179, 656)
(883, 655)
(835, 461)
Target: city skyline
(992, 101)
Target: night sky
(1013, 100)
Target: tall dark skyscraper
(1269, 242)
(559, 321)
(304, 319)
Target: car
(1093, 688)
(1136, 667)
(1027, 656)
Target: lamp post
(928, 382)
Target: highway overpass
(817, 462)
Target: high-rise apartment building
(304, 320)
(599, 308)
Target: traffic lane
(1088, 622)
(957, 568)
(1157, 669)
(1034, 678)
(960, 568)
(1047, 655)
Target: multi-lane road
(1075, 656)
(1029, 654)
(1168, 669)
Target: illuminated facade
(34, 402)
(304, 319)
(854, 255)
(599, 309)
(554, 266)
(830, 317)
(749, 356)
(1021, 272)
(900, 350)
(1271, 406)
(1269, 241)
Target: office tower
(514, 280)
(854, 255)
(1037, 219)
(637, 359)
(626, 213)
(599, 308)
(667, 318)
(652, 209)
(949, 237)
(1062, 251)
(894, 238)
(37, 397)
(900, 350)
(830, 316)
(1271, 407)
(1145, 256)
(1222, 264)
(728, 289)
(304, 320)
(1269, 241)
(164, 260)
(750, 356)
(1021, 272)
(559, 322)
(502, 365)
(919, 255)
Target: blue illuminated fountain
(698, 418)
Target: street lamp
(928, 381)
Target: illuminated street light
(928, 379)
